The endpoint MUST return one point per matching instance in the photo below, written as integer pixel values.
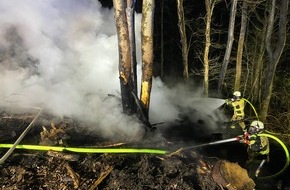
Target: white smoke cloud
(63, 56)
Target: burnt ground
(187, 169)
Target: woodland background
(225, 46)
(60, 57)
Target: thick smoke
(62, 55)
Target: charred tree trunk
(128, 101)
(147, 52)
(244, 22)
(183, 38)
(274, 51)
(209, 5)
(229, 45)
(131, 29)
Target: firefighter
(258, 145)
(238, 104)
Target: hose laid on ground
(87, 149)
(136, 150)
(286, 155)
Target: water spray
(213, 143)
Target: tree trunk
(229, 45)
(124, 57)
(274, 51)
(244, 22)
(209, 5)
(161, 39)
(258, 66)
(183, 38)
(131, 29)
(147, 52)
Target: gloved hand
(244, 138)
(227, 101)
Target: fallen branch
(23, 134)
(102, 176)
(176, 152)
(75, 177)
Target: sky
(62, 56)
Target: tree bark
(229, 45)
(244, 22)
(147, 52)
(162, 39)
(183, 37)
(274, 51)
(131, 29)
(209, 5)
(258, 65)
(124, 57)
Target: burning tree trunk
(274, 50)
(229, 44)
(183, 38)
(147, 52)
(128, 101)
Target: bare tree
(209, 6)
(243, 28)
(124, 56)
(229, 45)
(147, 52)
(258, 58)
(183, 37)
(274, 50)
(162, 38)
(131, 29)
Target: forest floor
(211, 168)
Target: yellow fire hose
(135, 151)
(87, 149)
(257, 116)
(287, 158)
(254, 109)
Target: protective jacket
(259, 144)
(239, 113)
(238, 106)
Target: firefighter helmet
(256, 127)
(237, 94)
